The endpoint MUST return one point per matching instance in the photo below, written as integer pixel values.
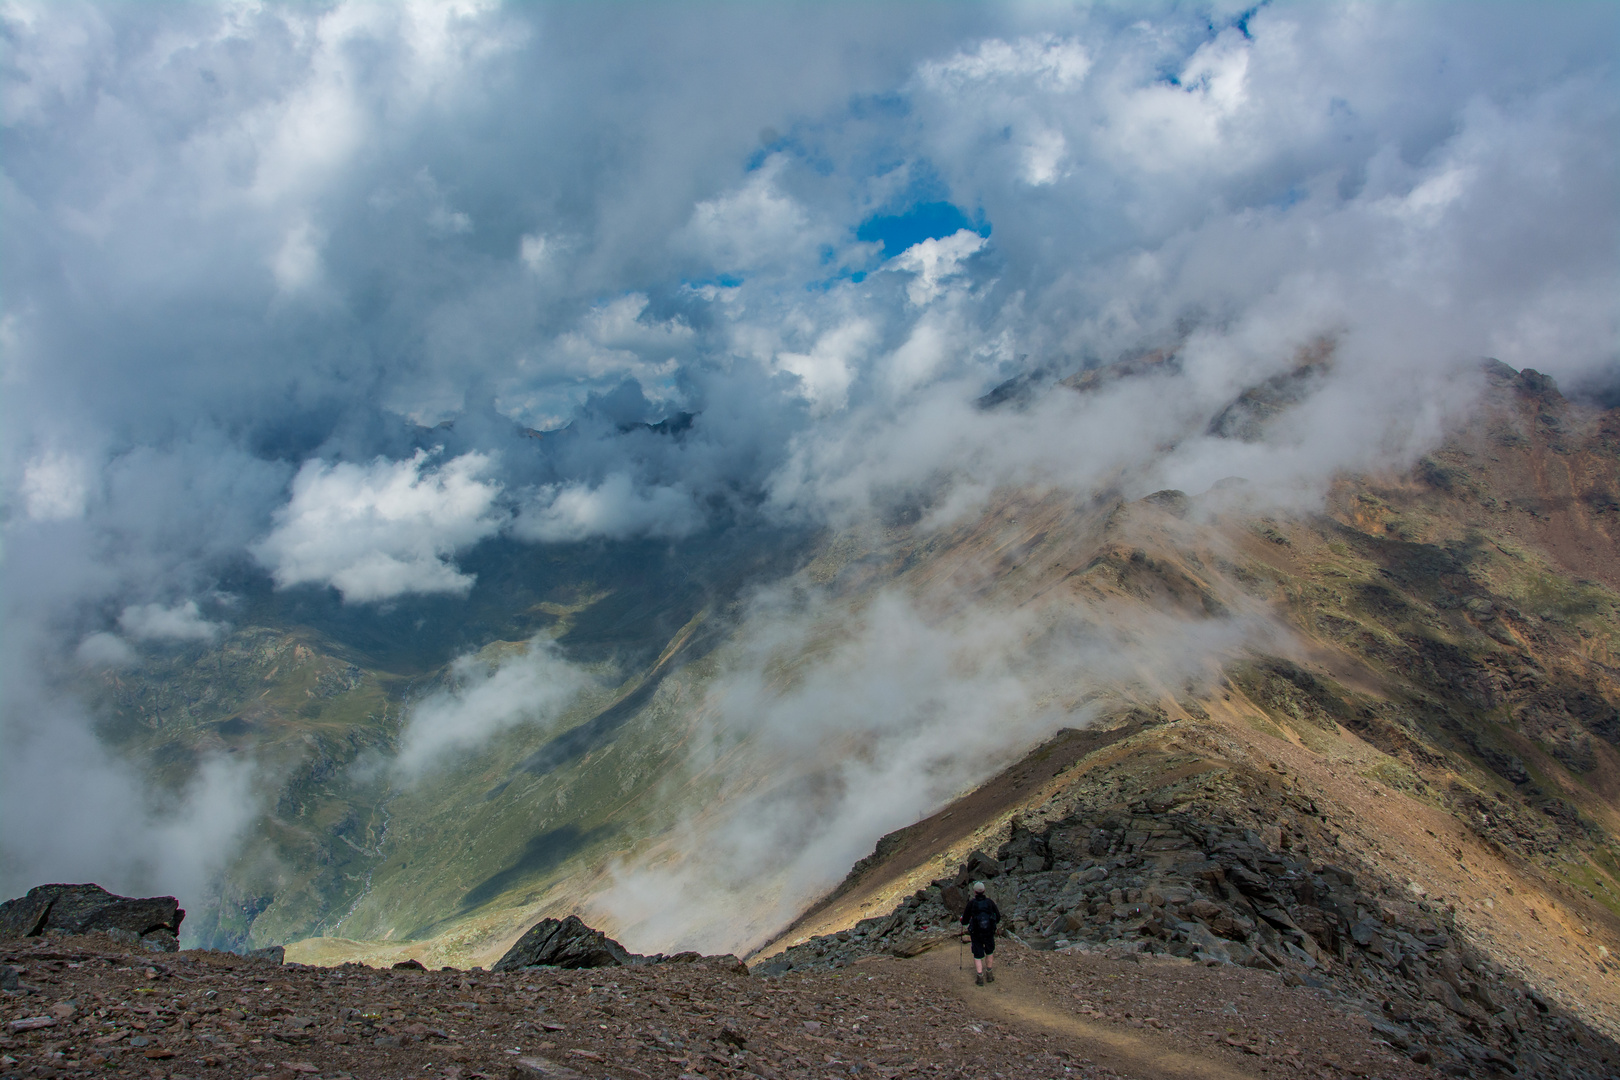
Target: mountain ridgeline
(1403, 774)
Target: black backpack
(982, 918)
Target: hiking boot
(978, 980)
(989, 976)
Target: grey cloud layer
(252, 251)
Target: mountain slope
(1447, 634)
(1440, 722)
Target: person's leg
(990, 961)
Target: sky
(292, 287)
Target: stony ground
(86, 1008)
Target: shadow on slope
(543, 853)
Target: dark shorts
(984, 943)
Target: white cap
(978, 886)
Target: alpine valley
(1416, 686)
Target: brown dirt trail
(1016, 1000)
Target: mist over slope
(393, 391)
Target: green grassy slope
(314, 693)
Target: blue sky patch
(724, 281)
(925, 221)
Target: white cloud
(1427, 203)
(51, 62)
(532, 250)
(1162, 127)
(1043, 154)
(1050, 63)
(934, 262)
(614, 509)
(154, 622)
(55, 487)
(382, 530)
(104, 650)
(826, 371)
(614, 340)
(297, 262)
(752, 226)
(304, 138)
(1218, 71)
(117, 831)
(484, 698)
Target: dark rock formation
(81, 909)
(564, 943)
(569, 943)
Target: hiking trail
(1024, 1003)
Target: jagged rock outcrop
(564, 943)
(569, 943)
(153, 921)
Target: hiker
(980, 917)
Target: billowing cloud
(934, 261)
(1046, 62)
(117, 830)
(830, 365)
(381, 530)
(754, 226)
(833, 724)
(55, 487)
(104, 650)
(154, 622)
(614, 509)
(484, 698)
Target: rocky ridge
(1180, 874)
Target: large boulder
(80, 909)
(564, 943)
